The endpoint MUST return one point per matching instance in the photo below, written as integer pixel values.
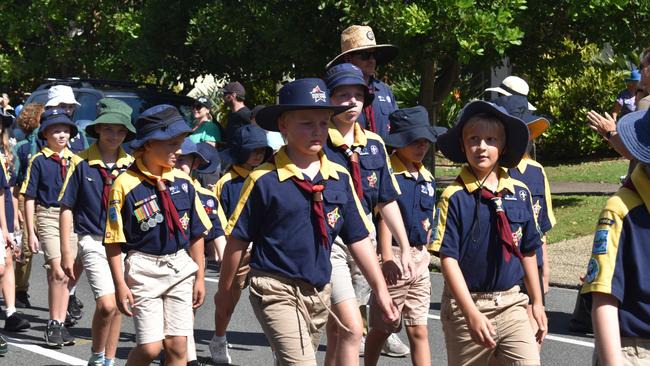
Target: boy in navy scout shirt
(364, 155)
(84, 197)
(486, 238)
(291, 210)
(156, 217)
(248, 149)
(411, 136)
(45, 176)
(617, 275)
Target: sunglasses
(365, 55)
(198, 106)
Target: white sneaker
(219, 351)
(362, 347)
(394, 347)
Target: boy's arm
(67, 261)
(34, 246)
(480, 328)
(123, 294)
(385, 239)
(232, 256)
(546, 267)
(393, 217)
(531, 279)
(604, 315)
(197, 254)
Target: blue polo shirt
(474, 241)
(383, 105)
(276, 216)
(620, 255)
(533, 175)
(134, 204)
(379, 186)
(229, 186)
(213, 210)
(416, 203)
(43, 180)
(82, 190)
(8, 201)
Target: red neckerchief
(353, 158)
(316, 192)
(503, 225)
(107, 177)
(63, 163)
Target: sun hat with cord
(361, 38)
(60, 94)
(516, 105)
(160, 122)
(112, 111)
(411, 124)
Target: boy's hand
(198, 294)
(481, 329)
(539, 314)
(34, 245)
(408, 267)
(389, 309)
(67, 263)
(124, 299)
(391, 272)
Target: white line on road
(49, 353)
(215, 280)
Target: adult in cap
(359, 47)
(205, 129)
(234, 95)
(626, 98)
(513, 85)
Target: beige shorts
(292, 314)
(636, 352)
(47, 229)
(93, 257)
(162, 292)
(506, 310)
(411, 296)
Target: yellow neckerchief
(471, 183)
(400, 168)
(337, 139)
(287, 169)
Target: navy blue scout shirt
(620, 255)
(379, 186)
(276, 215)
(8, 201)
(474, 241)
(532, 174)
(213, 210)
(383, 105)
(228, 188)
(135, 217)
(82, 191)
(43, 181)
(416, 203)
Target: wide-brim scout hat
(301, 94)
(59, 94)
(244, 141)
(635, 75)
(112, 111)
(634, 129)
(360, 38)
(160, 122)
(211, 155)
(517, 105)
(348, 74)
(451, 142)
(189, 148)
(513, 85)
(411, 124)
(56, 116)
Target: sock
(10, 311)
(73, 290)
(109, 362)
(220, 339)
(96, 356)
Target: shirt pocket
(334, 202)
(181, 202)
(518, 216)
(427, 202)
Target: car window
(88, 108)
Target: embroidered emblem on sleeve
(592, 270)
(600, 242)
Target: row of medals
(151, 222)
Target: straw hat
(361, 37)
(513, 85)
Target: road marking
(215, 280)
(548, 336)
(49, 353)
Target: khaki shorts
(162, 289)
(93, 257)
(47, 229)
(636, 352)
(506, 310)
(292, 314)
(411, 296)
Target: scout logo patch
(317, 95)
(370, 35)
(523, 195)
(184, 187)
(112, 214)
(381, 98)
(516, 236)
(173, 190)
(537, 208)
(333, 217)
(600, 242)
(431, 190)
(210, 203)
(374, 150)
(185, 221)
(426, 224)
(372, 180)
(592, 270)
(388, 98)
(605, 221)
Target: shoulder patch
(605, 221)
(592, 270)
(112, 214)
(600, 241)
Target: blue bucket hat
(56, 116)
(634, 129)
(410, 124)
(211, 156)
(189, 148)
(348, 74)
(451, 144)
(297, 95)
(517, 105)
(161, 122)
(246, 139)
(635, 75)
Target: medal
(159, 218)
(151, 222)
(144, 226)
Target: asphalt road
(248, 344)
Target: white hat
(60, 94)
(513, 85)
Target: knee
(150, 350)
(176, 347)
(417, 332)
(2, 271)
(106, 309)
(354, 334)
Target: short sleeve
(30, 185)
(68, 195)
(531, 237)
(246, 220)
(356, 224)
(389, 189)
(200, 223)
(114, 233)
(447, 235)
(605, 250)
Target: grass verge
(576, 216)
(606, 171)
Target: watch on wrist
(610, 134)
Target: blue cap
(56, 116)
(189, 148)
(348, 74)
(411, 124)
(300, 94)
(634, 129)
(211, 155)
(161, 122)
(635, 75)
(517, 105)
(246, 139)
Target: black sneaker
(22, 300)
(69, 321)
(16, 323)
(53, 337)
(76, 300)
(4, 348)
(68, 339)
(73, 309)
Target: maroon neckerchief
(107, 177)
(353, 158)
(169, 210)
(63, 163)
(369, 113)
(316, 192)
(503, 225)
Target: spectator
(359, 47)
(6, 107)
(233, 96)
(205, 130)
(273, 138)
(644, 83)
(626, 99)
